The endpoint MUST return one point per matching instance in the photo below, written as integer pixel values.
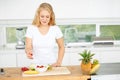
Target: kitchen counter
(109, 68)
(14, 73)
(108, 71)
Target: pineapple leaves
(86, 56)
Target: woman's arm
(61, 50)
(28, 47)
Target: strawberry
(40, 66)
(37, 66)
(24, 69)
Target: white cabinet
(103, 54)
(74, 59)
(66, 59)
(13, 58)
(22, 59)
(75, 56)
(107, 54)
(7, 59)
(110, 56)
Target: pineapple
(86, 63)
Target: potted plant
(86, 63)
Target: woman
(42, 36)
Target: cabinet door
(22, 59)
(7, 59)
(74, 59)
(110, 57)
(107, 54)
(66, 59)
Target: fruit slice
(24, 69)
(32, 67)
(49, 67)
(31, 72)
(40, 66)
(95, 69)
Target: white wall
(25, 9)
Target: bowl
(41, 68)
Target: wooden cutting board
(54, 71)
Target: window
(11, 34)
(78, 33)
(110, 31)
(74, 30)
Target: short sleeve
(59, 33)
(29, 32)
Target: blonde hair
(48, 7)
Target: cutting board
(54, 71)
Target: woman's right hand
(29, 54)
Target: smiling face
(44, 17)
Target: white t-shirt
(43, 45)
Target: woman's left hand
(56, 64)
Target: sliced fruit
(49, 67)
(24, 68)
(32, 66)
(31, 72)
(95, 69)
(41, 66)
(32, 69)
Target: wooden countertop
(13, 73)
